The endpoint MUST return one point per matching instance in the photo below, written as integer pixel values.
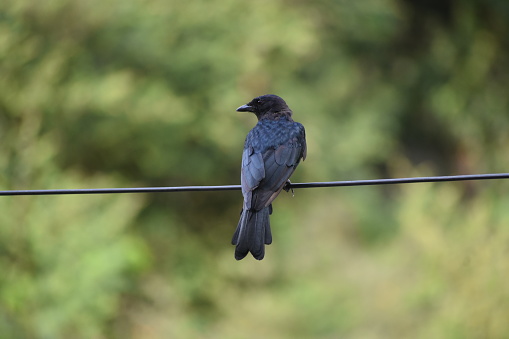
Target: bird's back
(273, 133)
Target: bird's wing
(263, 175)
(252, 172)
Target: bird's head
(266, 105)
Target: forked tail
(252, 233)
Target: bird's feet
(287, 187)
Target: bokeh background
(129, 93)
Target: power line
(237, 187)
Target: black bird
(272, 151)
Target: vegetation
(143, 93)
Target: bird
(272, 151)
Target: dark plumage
(272, 151)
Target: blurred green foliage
(130, 93)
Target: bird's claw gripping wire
(287, 187)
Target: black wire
(237, 187)
(402, 180)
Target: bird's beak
(245, 108)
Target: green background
(131, 93)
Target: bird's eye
(258, 101)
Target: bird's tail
(252, 233)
